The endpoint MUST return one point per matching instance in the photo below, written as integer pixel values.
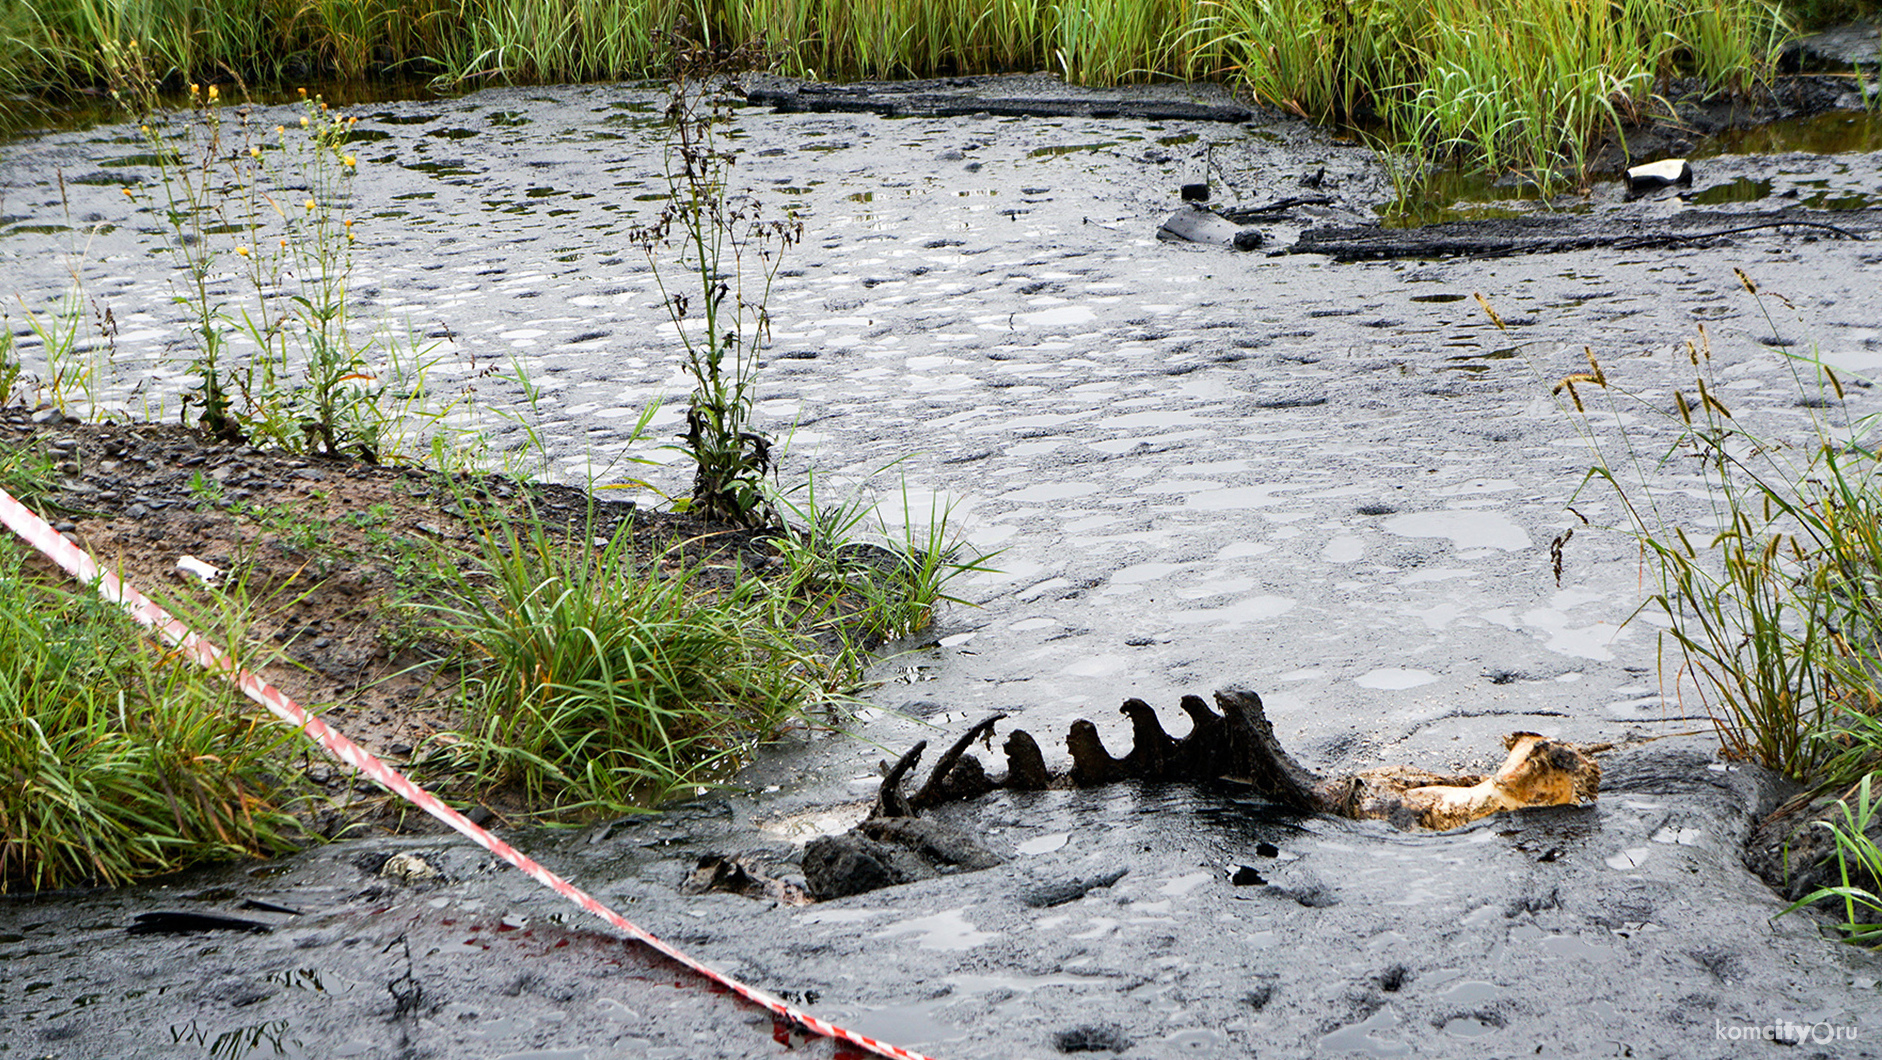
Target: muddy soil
(335, 562)
(1335, 483)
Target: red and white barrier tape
(37, 533)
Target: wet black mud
(1189, 922)
(1338, 481)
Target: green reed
(1527, 85)
(1770, 590)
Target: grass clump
(595, 682)
(27, 474)
(605, 673)
(1859, 864)
(1529, 86)
(120, 761)
(855, 580)
(1770, 588)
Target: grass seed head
(1490, 311)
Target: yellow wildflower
(350, 161)
(310, 204)
(243, 251)
(303, 121)
(212, 92)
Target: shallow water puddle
(1376, 1035)
(1394, 680)
(949, 930)
(1465, 528)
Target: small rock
(1246, 876)
(1196, 192)
(1659, 174)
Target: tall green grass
(120, 760)
(603, 678)
(1528, 85)
(597, 684)
(1770, 589)
(1524, 84)
(1769, 586)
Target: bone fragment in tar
(1236, 746)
